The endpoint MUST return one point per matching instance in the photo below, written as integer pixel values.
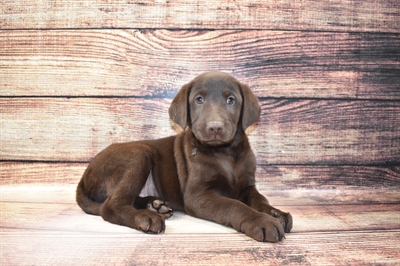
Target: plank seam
(372, 31)
(379, 164)
(169, 97)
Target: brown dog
(207, 171)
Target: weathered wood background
(77, 76)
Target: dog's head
(214, 106)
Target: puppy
(206, 171)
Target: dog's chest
(226, 165)
(230, 168)
(228, 175)
(219, 163)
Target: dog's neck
(234, 148)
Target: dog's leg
(257, 201)
(145, 220)
(231, 212)
(155, 204)
(119, 207)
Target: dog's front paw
(285, 219)
(263, 228)
(161, 207)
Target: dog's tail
(87, 205)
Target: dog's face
(215, 105)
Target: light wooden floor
(42, 225)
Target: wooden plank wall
(76, 76)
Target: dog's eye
(199, 100)
(231, 100)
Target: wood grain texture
(25, 173)
(70, 218)
(327, 132)
(368, 15)
(289, 131)
(156, 63)
(282, 185)
(27, 247)
(77, 129)
(269, 177)
(57, 231)
(64, 193)
(286, 177)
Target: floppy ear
(178, 111)
(251, 109)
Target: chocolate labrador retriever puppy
(206, 171)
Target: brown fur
(207, 171)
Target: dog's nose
(214, 128)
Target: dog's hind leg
(128, 178)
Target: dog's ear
(178, 111)
(251, 109)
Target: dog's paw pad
(161, 207)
